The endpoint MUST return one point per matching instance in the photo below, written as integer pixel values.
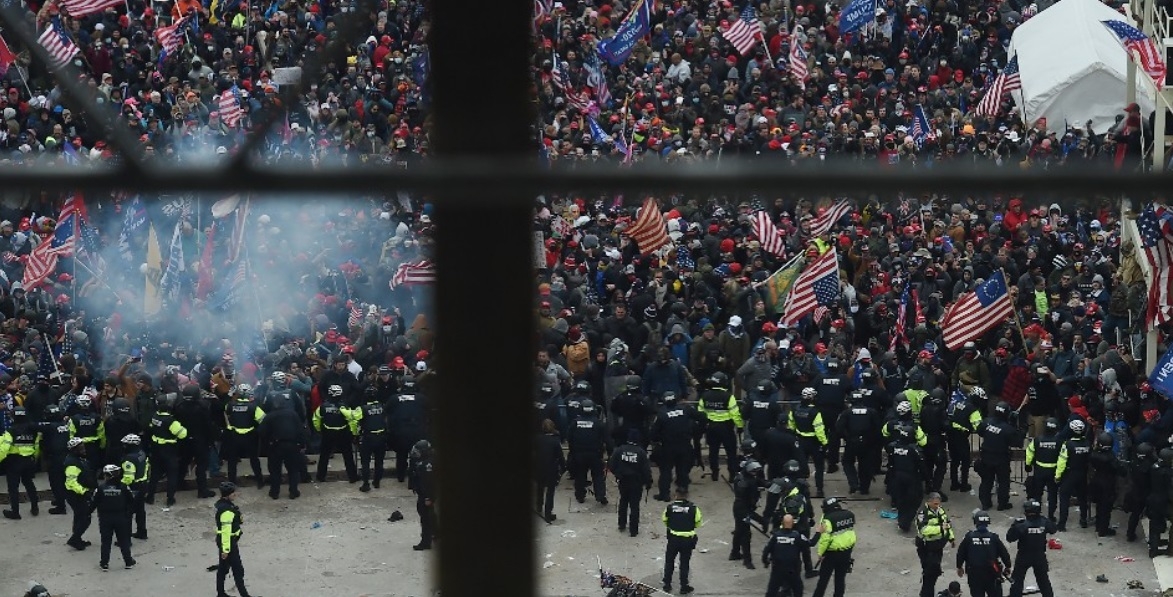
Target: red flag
(7, 58)
(204, 283)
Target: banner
(1162, 376)
(635, 26)
(778, 285)
(856, 15)
(152, 300)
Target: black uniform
(136, 474)
(633, 471)
(1157, 507)
(934, 421)
(550, 463)
(118, 426)
(682, 518)
(164, 453)
(372, 438)
(780, 445)
(761, 413)
(1139, 487)
(192, 413)
(80, 482)
(586, 443)
(672, 432)
(1044, 451)
(746, 491)
(407, 424)
(983, 556)
(905, 480)
(240, 437)
(21, 469)
(998, 436)
(720, 432)
(806, 420)
(633, 412)
(831, 400)
(114, 503)
(283, 432)
(228, 522)
(858, 426)
(1102, 489)
(423, 483)
(1031, 533)
(54, 439)
(783, 552)
(960, 415)
(1073, 483)
(332, 420)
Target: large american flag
(1155, 225)
(1007, 81)
(798, 66)
(817, 285)
(1134, 40)
(60, 48)
(230, 112)
(745, 31)
(977, 312)
(901, 316)
(81, 8)
(171, 36)
(768, 235)
(43, 259)
(649, 230)
(827, 218)
(596, 80)
(411, 274)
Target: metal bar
(66, 79)
(492, 498)
(469, 180)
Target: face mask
(398, 60)
(386, 329)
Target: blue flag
(420, 68)
(135, 219)
(920, 126)
(636, 25)
(1162, 376)
(856, 15)
(232, 291)
(597, 132)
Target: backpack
(578, 357)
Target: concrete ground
(354, 551)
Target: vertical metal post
(484, 291)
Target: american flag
(231, 294)
(977, 312)
(172, 36)
(60, 48)
(176, 264)
(817, 285)
(596, 80)
(355, 316)
(1006, 81)
(684, 259)
(230, 112)
(820, 313)
(745, 31)
(43, 259)
(827, 218)
(81, 8)
(236, 241)
(411, 274)
(798, 66)
(1135, 41)
(541, 11)
(558, 75)
(649, 230)
(901, 315)
(921, 131)
(768, 235)
(1155, 225)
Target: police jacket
(369, 419)
(630, 461)
(243, 415)
(193, 414)
(548, 459)
(780, 445)
(858, 424)
(1076, 460)
(119, 426)
(808, 422)
(761, 413)
(674, 425)
(964, 417)
(746, 491)
(423, 478)
(932, 524)
(282, 426)
(904, 459)
(165, 429)
(332, 415)
(718, 405)
(587, 437)
(79, 475)
(981, 552)
(113, 499)
(54, 436)
(682, 518)
(1046, 452)
(838, 532)
(998, 436)
(408, 411)
(785, 548)
(136, 469)
(832, 392)
(228, 522)
(934, 420)
(1031, 535)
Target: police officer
(136, 474)
(166, 432)
(406, 421)
(1105, 467)
(672, 432)
(831, 399)
(1072, 474)
(632, 410)
(242, 416)
(20, 447)
(586, 444)
(933, 531)
(630, 465)
(761, 410)
(1138, 489)
(784, 552)
(285, 435)
(1157, 506)
(119, 425)
(723, 416)
(581, 391)
(228, 522)
(682, 518)
(781, 445)
(747, 487)
(905, 476)
(964, 420)
(332, 420)
(807, 421)
(1044, 455)
(786, 496)
(902, 416)
(87, 425)
(54, 440)
(857, 426)
(836, 540)
(983, 557)
(80, 482)
(369, 424)
(998, 436)
(423, 483)
(934, 421)
(193, 414)
(113, 501)
(549, 466)
(1031, 534)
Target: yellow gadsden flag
(152, 301)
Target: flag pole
(97, 277)
(76, 241)
(1013, 308)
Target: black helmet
(583, 386)
(167, 401)
(751, 466)
(1052, 425)
(587, 406)
(1104, 439)
(791, 467)
(1166, 454)
(227, 488)
(18, 412)
(1032, 507)
(121, 405)
(855, 396)
(748, 446)
(633, 382)
(408, 383)
(669, 397)
(937, 396)
(1144, 449)
(832, 504)
(370, 391)
(422, 449)
(719, 380)
(766, 386)
(981, 517)
(1002, 409)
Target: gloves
(1029, 468)
(766, 562)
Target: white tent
(1073, 68)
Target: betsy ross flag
(230, 112)
(818, 285)
(411, 274)
(1145, 49)
(977, 312)
(1155, 225)
(828, 216)
(745, 31)
(1007, 81)
(61, 49)
(81, 8)
(43, 259)
(768, 234)
(649, 230)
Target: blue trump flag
(597, 131)
(1162, 376)
(856, 15)
(636, 25)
